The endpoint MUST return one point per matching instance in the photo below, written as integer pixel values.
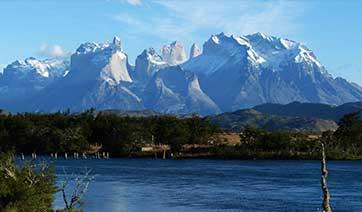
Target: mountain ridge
(229, 73)
(295, 117)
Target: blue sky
(48, 28)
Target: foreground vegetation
(186, 137)
(30, 187)
(25, 188)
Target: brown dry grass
(231, 139)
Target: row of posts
(104, 155)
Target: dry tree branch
(326, 196)
(81, 185)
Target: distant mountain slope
(134, 113)
(237, 120)
(22, 79)
(310, 110)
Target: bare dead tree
(80, 183)
(326, 197)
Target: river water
(213, 185)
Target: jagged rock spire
(117, 42)
(173, 53)
(194, 51)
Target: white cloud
(51, 51)
(125, 18)
(133, 2)
(237, 17)
(184, 19)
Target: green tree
(25, 188)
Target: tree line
(121, 136)
(65, 132)
(344, 143)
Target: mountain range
(228, 73)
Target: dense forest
(192, 137)
(65, 132)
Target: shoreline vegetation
(104, 135)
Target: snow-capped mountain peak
(40, 67)
(278, 51)
(24, 78)
(105, 61)
(89, 47)
(34, 68)
(221, 49)
(231, 46)
(93, 47)
(231, 72)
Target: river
(213, 185)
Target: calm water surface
(214, 185)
